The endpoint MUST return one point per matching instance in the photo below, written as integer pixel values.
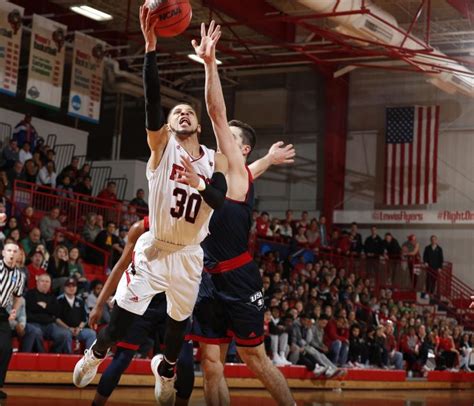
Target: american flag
(411, 155)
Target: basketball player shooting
(186, 181)
(236, 278)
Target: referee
(12, 283)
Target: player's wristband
(202, 185)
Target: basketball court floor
(69, 396)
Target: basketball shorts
(230, 306)
(158, 267)
(153, 321)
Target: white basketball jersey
(178, 214)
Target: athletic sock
(97, 353)
(166, 368)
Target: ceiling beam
(465, 7)
(251, 12)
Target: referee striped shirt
(12, 283)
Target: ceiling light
(196, 58)
(91, 12)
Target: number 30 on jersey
(186, 205)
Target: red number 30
(187, 206)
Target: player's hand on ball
(280, 154)
(206, 49)
(148, 29)
(95, 316)
(188, 176)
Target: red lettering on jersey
(174, 171)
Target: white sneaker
(277, 361)
(319, 370)
(165, 393)
(86, 368)
(284, 361)
(330, 372)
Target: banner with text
(10, 46)
(86, 78)
(404, 217)
(46, 64)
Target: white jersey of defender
(178, 214)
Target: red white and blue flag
(411, 155)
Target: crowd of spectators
(403, 262)
(324, 317)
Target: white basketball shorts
(161, 267)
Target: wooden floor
(69, 396)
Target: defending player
(152, 320)
(168, 258)
(235, 276)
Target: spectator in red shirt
(446, 350)
(263, 225)
(336, 338)
(410, 346)
(344, 243)
(27, 221)
(395, 357)
(35, 269)
(109, 193)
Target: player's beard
(184, 133)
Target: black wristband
(214, 193)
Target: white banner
(10, 46)
(86, 78)
(404, 217)
(46, 64)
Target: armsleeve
(214, 193)
(151, 85)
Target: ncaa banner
(46, 64)
(10, 46)
(86, 78)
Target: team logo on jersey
(134, 299)
(256, 300)
(211, 164)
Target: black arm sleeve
(151, 86)
(214, 194)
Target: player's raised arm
(215, 103)
(113, 280)
(278, 154)
(158, 136)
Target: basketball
(172, 16)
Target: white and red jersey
(178, 214)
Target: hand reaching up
(206, 49)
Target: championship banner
(86, 78)
(404, 217)
(10, 46)
(46, 64)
